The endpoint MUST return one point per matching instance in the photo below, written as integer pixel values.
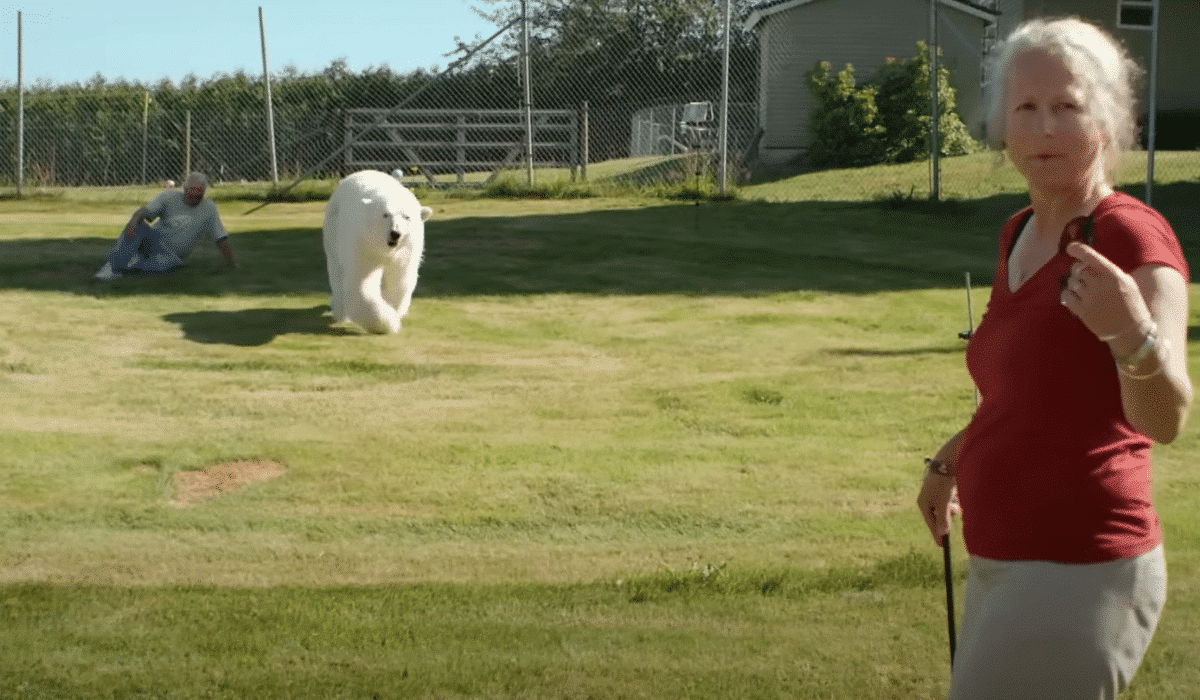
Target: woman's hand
(1101, 295)
(938, 501)
(1124, 310)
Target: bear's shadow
(252, 327)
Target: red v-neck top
(1049, 468)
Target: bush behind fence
(127, 133)
(614, 59)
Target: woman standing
(1080, 361)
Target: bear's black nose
(392, 238)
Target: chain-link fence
(664, 90)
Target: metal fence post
(528, 93)
(460, 153)
(20, 174)
(187, 147)
(583, 142)
(1152, 104)
(262, 32)
(145, 129)
(723, 137)
(934, 87)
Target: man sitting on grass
(179, 219)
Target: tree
(609, 51)
(623, 55)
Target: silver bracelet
(1114, 336)
(1126, 370)
(1130, 364)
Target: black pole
(949, 597)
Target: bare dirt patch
(195, 486)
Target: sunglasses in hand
(1081, 229)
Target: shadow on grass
(732, 248)
(253, 327)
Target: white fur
(371, 283)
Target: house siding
(1012, 13)
(962, 40)
(863, 33)
(1178, 43)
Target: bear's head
(401, 223)
(402, 214)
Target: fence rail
(438, 141)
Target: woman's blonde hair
(1108, 74)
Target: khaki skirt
(1034, 630)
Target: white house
(796, 34)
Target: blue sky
(68, 41)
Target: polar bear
(374, 237)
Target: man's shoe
(106, 273)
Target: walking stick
(949, 597)
(946, 566)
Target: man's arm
(138, 217)
(226, 251)
(147, 212)
(219, 234)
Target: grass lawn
(623, 447)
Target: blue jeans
(143, 250)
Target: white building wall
(863, 33)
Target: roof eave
(771, 8)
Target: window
(1135, 14)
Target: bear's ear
(367, 200)
(426, 212)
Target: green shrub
(512, 185)
(845, 126)
(885, 120)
